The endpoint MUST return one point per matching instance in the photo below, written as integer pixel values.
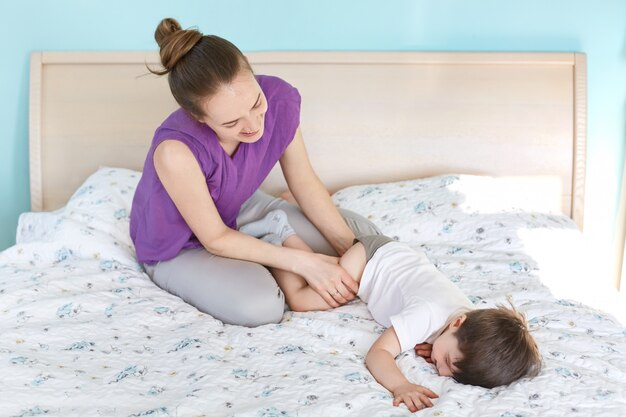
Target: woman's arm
(312, 196)
(185, 183)
(380, 360)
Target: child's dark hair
(497, 348)
(196, 64)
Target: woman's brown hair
(196, 65)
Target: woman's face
(236, 111)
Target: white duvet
(84, 332)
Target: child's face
(446, 350)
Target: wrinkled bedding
(85, 332)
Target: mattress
(85, 331)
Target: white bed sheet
(85, 332)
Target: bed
(477, 158)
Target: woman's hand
(324, 274)
(416, 397)
(424, 350)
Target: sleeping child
(420, 308)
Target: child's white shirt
(403, 289)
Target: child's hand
(416, 397)
(424, 350)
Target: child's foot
(275, 222)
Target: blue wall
(597, 28)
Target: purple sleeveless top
(156, 226)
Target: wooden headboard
(367, 117)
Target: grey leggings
(242, 292)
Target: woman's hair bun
(166, 28)
(174, 42)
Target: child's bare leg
(299, 295)
(274, 228)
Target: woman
(200, 183)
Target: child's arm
(381, 362)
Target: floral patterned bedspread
(84, 332)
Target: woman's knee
(255, 300)
(233, 291)
(259, 309)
